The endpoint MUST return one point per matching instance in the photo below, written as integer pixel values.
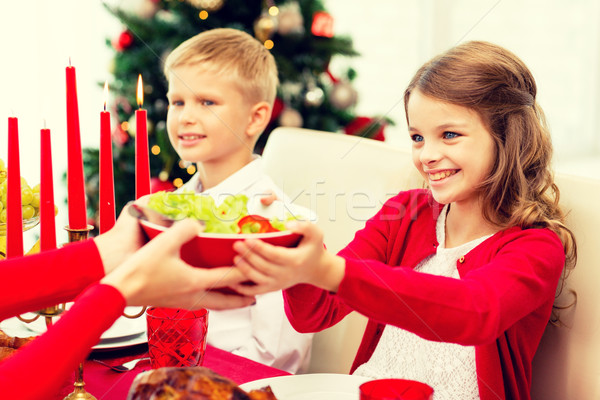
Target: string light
(203, 14)
(177, 182)
(273, 11)
(191, 169)
(269, 44)
(182, 164)
(125, 125)
(155, 150)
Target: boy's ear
(260, 115)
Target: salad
(231, 216)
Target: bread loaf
(10, 344)
(193, 383)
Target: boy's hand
(268, 199)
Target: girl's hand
(156, 275)
(273, 268)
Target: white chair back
(345, 180)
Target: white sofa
(345, 179)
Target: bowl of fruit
(224, 224)
(30, 202)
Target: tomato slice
(255, 224)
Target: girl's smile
(437, 175)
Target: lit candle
(107, 185)
(14, 212)
(75, 179)
(142, 157)
(47, 222)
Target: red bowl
(216, 249)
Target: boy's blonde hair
(231, 51)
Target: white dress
(448, 368)
(260, 332)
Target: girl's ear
(260, 115)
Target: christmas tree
(299, 34)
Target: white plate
(311, 386)
(124, 332)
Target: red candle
(142, 157)
(107, 185)
(75, 179)
(14, 212)
(47, 222)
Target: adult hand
(273, 267)
(121, 241)
(156, 275)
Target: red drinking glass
(395, 389)
(176, 337)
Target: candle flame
(140, 91)
(105, 94)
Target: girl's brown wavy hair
(520, 190)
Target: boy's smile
(190, 139)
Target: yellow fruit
(2, 247)
(28, 212)
(35, 202)
(26, 196)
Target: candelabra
(79, 393)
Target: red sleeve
(502, 287)
(40, 368)
(33, 282)
(310, 309)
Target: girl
(458, 280)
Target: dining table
(105, 384)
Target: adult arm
(154, 275)
(33, 282)
(40, 368)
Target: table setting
(147, 343)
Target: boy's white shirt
(260, 332)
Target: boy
(222, 85)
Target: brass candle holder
(48, 313)
(79, 393)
